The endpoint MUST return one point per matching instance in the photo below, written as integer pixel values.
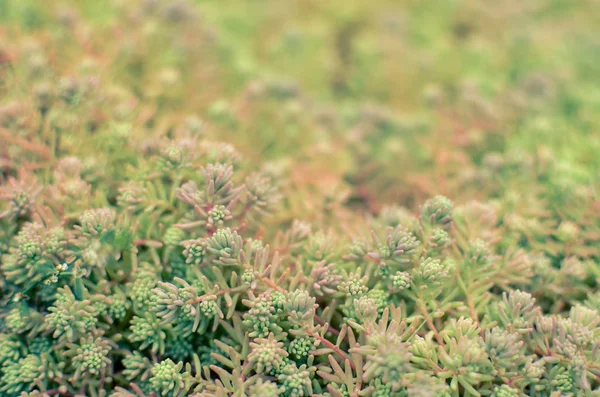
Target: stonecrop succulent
(185, 213)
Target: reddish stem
(333, 347)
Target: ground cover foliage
(294, 199)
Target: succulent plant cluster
(175, 221)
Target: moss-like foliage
(341, 199)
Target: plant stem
(430, 323)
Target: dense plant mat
(265, 198)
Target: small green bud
(166, 379)
(564, 382)
(22, 375)
(131, 197)
(264, 388)
(354, 286)
(217, 216)
(505, 391)
(380, 298)
(172, 158)
(194, 251)
(90, 356)
(266, 354)
(437, 211)
(248, 276)
(15, 321)
(262, 317)
(479, 254)
(209, 308)
(119, 307)
(301, 347)
(364, 309)
(439, 239)
(173, 236)
(295, 381)
(430, 272)
(11, 350)
(278, 299)
(96, 222)
(401, 281)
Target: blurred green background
(422, 91)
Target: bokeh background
(359, 105)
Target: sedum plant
(182, 214)
(169, 298)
